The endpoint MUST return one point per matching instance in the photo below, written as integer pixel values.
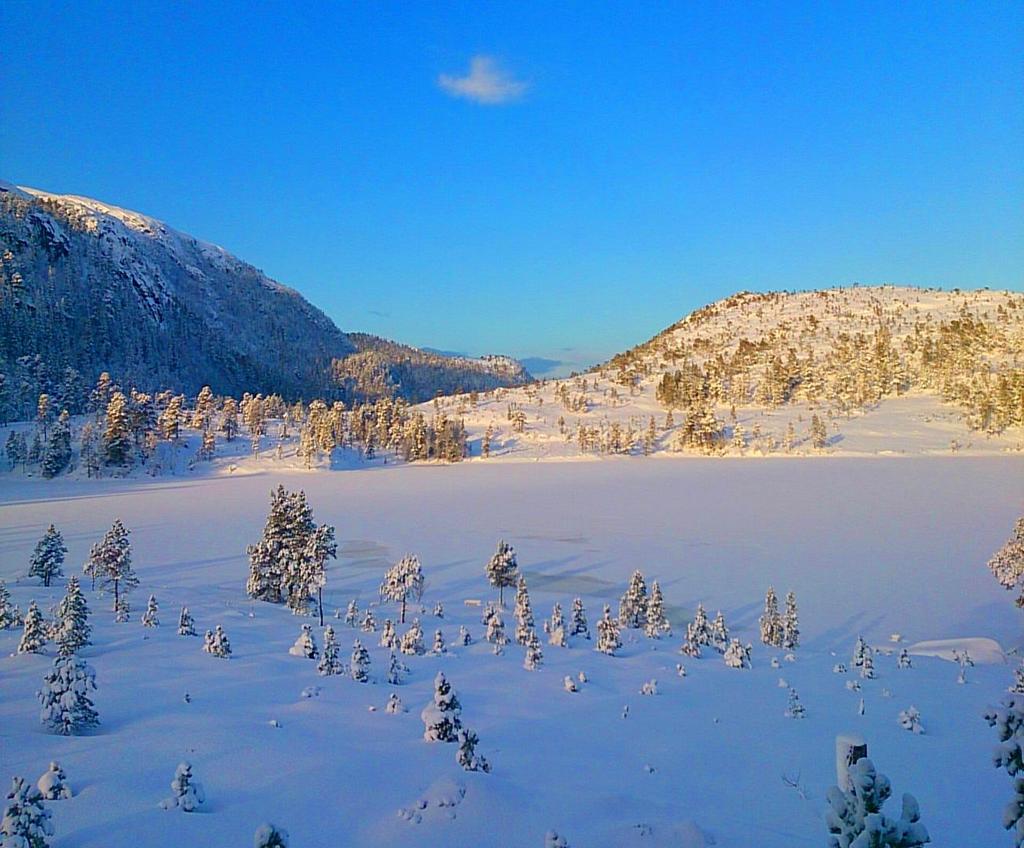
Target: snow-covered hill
(883, 369)
(91, 287)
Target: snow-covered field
(871, 546)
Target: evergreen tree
(73, 628)
(854, 818)
(795, 708)
(608, 641)
(439, 646)
(910, 719)
(903, 661)
(701, 629)
(330, 663)
(52, 785)
(412, 640)
(388, 637)
(369, 624)
(503, 569)
(305, 645)
(691, 644)
(467, 756)
(579, 620)
(534, 655)
(442, 716)
(657, 624)
(736, 655)
(771, 621)
(352, 613)
(396, 670)
(151, 617)
(790, 624)
(186, 624)
(360, 662)
(187, 793)
(1008, 720)
(25, 822)
(523, 612)
(496, 631)
(1007, 564)
(48, 556)
(66, 706)
(117, 440)
(8, 618)
(719, 633)
(216, 643)
(310, 576)
(17, 449)
(110, 562)
(394, 704)
(278, 562)
(57, 454)
(556, 627)
(819, 433)
(402, 582)
(633, 605)
(34, 637)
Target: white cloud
(487, 82)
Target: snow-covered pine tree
(8, 619)
(217, 643)
(464, 637)
(442, 716)
(117, 435)
(360, 662)
(122, 610)
(790, 624)
(1018, 680)
(394, 704)
(305, 644)
(503, 569)
(467, 755)
(737, 655)
(34, 636)
(552, 839)
(701, 629)
(860, 650)
(388, 637)
(52, 785)
(867, 665)
(369, 624)
(439, 646)
(608, 641)
(657, 623)
(903, 661)
(307, 578)
(270, 836)
(352, 613)
(691, 645)
(396, 670)
(285, 564)
(633, 604)
(910, 719)
(719, 633)
(110, 562)
(1008, 720)
(412, 640)
(579, 626)
(25, 822)
(66, 706)
(1007, 564)
(438, 610)
(854, 818)
(534, 655)
(403, 582)
(523, 612)
(187, 793)
(556, 627)
(771, 621)
(151, 617)
(73, 628)
(496, 631)
(329, 662)
(795, 709)
(48, 556)
(57, 453)
(186, 624)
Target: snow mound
(983, 650)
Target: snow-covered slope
(885, 369)
(92, 287)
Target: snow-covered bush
(360, 662)
(412, 640)
(25, 822)
(305, 644)
(329, 663)
(216, 643)
(270, 836)
(910, 719)
(151, 617)
(388, 637)
(186, 624)
(534, 655)
(439, 646)
(53, 783)
(467, 756)
(33, 639)
(394, 704)
(608, 641)
(737, 655)
(187, 793)
(855, 819)
(1008, 720)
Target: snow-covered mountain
(88, 286)
(881, 368)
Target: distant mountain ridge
(87, 287)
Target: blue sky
(557, 180)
